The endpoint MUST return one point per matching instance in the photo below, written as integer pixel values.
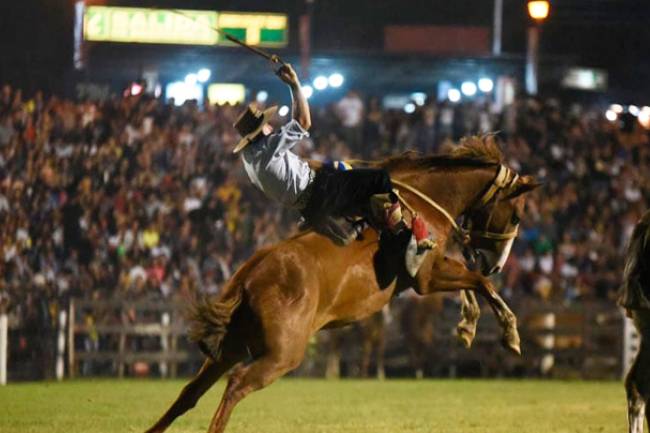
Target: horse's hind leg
(205, 378)
(635, 403)
(284, 352)
(637, 388)
(470, 312)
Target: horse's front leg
(470, 312)
(448, 275)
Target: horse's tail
(209, 319)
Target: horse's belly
(356, 301)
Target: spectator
(350, 111)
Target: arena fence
(116, 336)
(4, 346)
(147, 338)
(585, 341)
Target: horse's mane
(473, 151)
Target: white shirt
(350, 109)
(273, 168)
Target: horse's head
(493, 222)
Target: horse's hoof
(465, 336)
(511, 342)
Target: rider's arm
(300, 106)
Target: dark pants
(345, 193)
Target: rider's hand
(288, 75)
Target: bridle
(504, 180)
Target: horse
(634, 297)
(260, 324)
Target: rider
(317, 194)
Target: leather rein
(505, 179)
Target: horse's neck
(454, 188)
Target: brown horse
(635, 298)
(261, 322)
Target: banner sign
(189, 27)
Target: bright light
(283, 111)
(409, 108)
(336, 80)
(644, 117)
(611, 115)
(420, 98)
(633, 109)
(538, 10)
(136, 89)
(191, 79)
(320, 82)
(453, 95)
(616, 108)
(204, 75)
(485, 85)
(468, 88)
(226, 93)
(182, 92)
(307, 90)
(262, 96)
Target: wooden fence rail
(585, 341)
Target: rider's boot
(418, 247)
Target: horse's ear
(523, 186)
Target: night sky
(37, 34)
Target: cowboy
(318, 194)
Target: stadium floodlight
(409, 108)
(644, 117)
(191, 79)
(453, 95)
(336, 80)
(320, 82)
(262, 96)
(634, 110)
(307, 90)
(485, 85)
(283, 111)
(204, 75)
(611, 115)
(538, 9)
(181, 92)
(616, 108)
(420, 98)
(468, 88)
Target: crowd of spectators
(136, 197)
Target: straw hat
(250, 124)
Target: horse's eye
(515, 219)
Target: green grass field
(309, 406)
